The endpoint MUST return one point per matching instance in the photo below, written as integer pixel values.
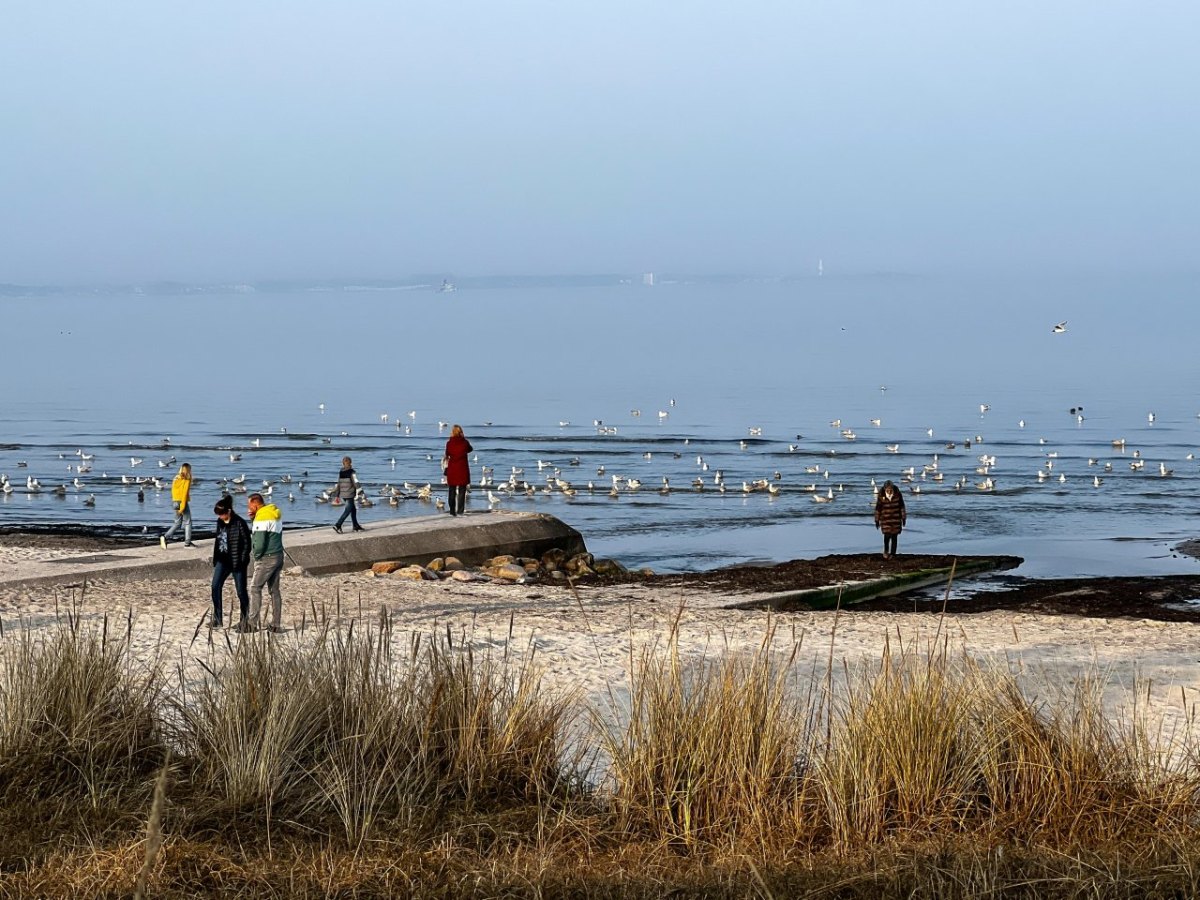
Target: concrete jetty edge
(472, 537)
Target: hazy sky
(245, 141)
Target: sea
(956, 387)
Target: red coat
(457, 450)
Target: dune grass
(354, 761)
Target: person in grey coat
(347, 490)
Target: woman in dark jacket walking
(347, 491)
(231, 556)
(890, 517)
(458, 472)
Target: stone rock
(498, 561)
(436, 565)
(415, 573)
(553, 559)
(579, 565)
(508, 572)
(646, 573)
(558, 575)
(531, 566)
(386, 568)
(609, 568)
(464, 575)
(294, 570)
(453, 564)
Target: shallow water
(116, 376)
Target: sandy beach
(585, 638)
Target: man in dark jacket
(347, 492)
(231, 556)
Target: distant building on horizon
(648, 279)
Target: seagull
(1060, 328)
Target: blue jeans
(351, 510)
(221, 571)
(183, 518)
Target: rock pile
(553, 566)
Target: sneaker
(189, 544)
(274, 629)
(244, 627)
(217, 624)
(162, 541)
(337, 528)
(359, 528)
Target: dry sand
(585, 638)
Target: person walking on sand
(181, 499)
(347, 490)
(266, 546)
(890, 517)
(231, 556)
(458, 472)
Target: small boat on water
(447, 287)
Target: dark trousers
(889, 544)
(458, 498)
(351, 510)
(221, 571)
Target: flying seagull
(1060, 328)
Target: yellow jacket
(181, 489)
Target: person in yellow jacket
(181, 499)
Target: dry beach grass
(453, 740)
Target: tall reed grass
(405, 757)
(79, 714)
(338, 729)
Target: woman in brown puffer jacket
(890, 517)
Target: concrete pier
(472, 537)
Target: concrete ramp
(472, 537)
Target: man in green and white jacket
(266, 546)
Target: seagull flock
(813, 470)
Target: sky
(225, 141)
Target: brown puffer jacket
(890, 515)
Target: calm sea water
(750, 377)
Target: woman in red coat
(458, 473)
